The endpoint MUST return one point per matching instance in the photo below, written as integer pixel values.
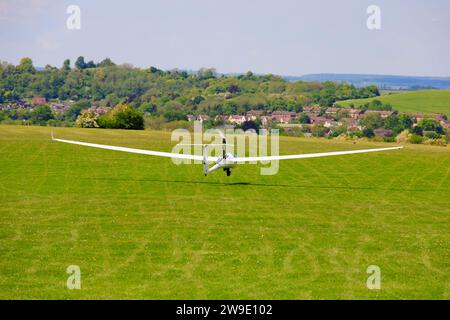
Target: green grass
(141, 227)
(425, 101)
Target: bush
(389, 139)
(403, 136)
(368, 133)
(430, 134)
(355, 134)
(417, 130)
(338, 131)
(87, 119)
(56, 123)
(436, 142)
(122, 116)
(415, 139)
(319, 130)
(294, 132)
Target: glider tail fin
(205, 161)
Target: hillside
(426, 101)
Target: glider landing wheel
(228, 172)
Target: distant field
(431, 101)
(141, 227)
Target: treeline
(172, 94)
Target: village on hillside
(314, 116)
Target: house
(255, 114)
(312, 109)
(37, 101)
(238, 119)
(347, 122)
(446, 125)
(317, 120)
(265, 120)
(283, 116)
(190, 117)
(220, 118)
(330, 123)
(350, 123)
(419, 116)
(202, 117)
(98, 110)
(385, 114)
(353, 129)
(61, 107)
(440, 117)
(332, 111)
(355, 113)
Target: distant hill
(382, 81)
(425, 101)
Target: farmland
(142, 227)
(422, 101)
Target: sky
(285, 37)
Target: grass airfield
(141, 227)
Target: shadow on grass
(231, 184)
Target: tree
(247, 125)
(417, 130)
(155, 70)
(205, 74)
(372, 120)
(106, 63)
(66, 65)
(304, 119)
(147, 107)
(369, 92)
(405, 121)
(90, 64)
(80, 64)
(41, 114)
(233, 88)
(122, 116)
(87, 119)
(174, 115)
(26, 66)
(431, 125)
(75, 109)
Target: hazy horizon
(286, 37)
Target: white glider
(227, 160)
